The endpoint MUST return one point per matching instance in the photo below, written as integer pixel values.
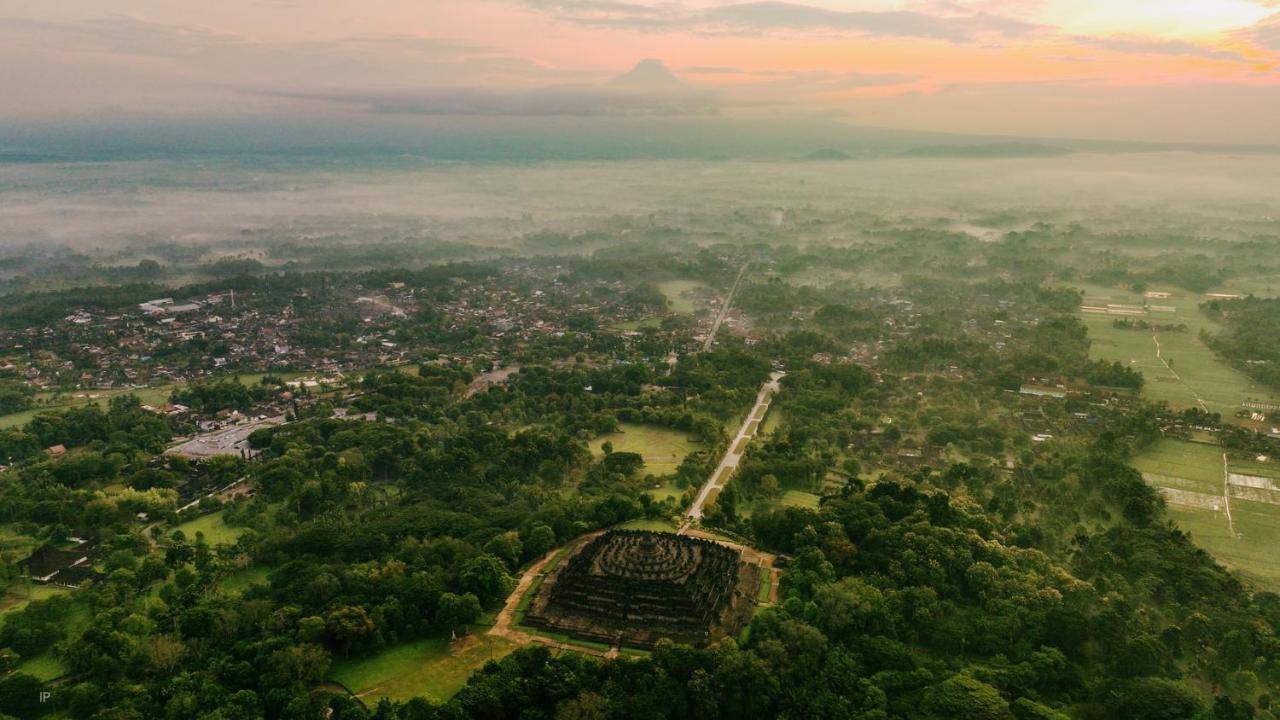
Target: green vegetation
(953, 547)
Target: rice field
(1192, 478)
(1195, 374)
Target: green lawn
(215, 530)
(662, 449)
(433, 668)
(647, 524)
(772, 421)
(664, 488)
(677, 294)
(801, 499)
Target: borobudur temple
(634, 588)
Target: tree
(1156, 699)
(348, 625)
(540, 539)
(963, 697)
(455, 611)
(485, 577)
(506, 546)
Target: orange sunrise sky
(1189, 70)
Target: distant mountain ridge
(991, 150)
(827, 154)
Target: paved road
(724, 309)
(750, 426)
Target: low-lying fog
(117, 204)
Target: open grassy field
(215, 530)
(645, 324)
(661, 448)
(678, 294)
(435, 668)
(1195, 374)
(1180, 465)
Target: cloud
(1142, 45)
(822, 81)
(1266, 33)
(953, 23)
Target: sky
(1167, 70)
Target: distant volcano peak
(649, 74)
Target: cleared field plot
(1257, 469)
(1191, 500)
(434, 668)
(1183, 466)
(681, 294)
(799, 498)
(1195, 375)
(214, 529)
(766, 585)
(662, 449)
